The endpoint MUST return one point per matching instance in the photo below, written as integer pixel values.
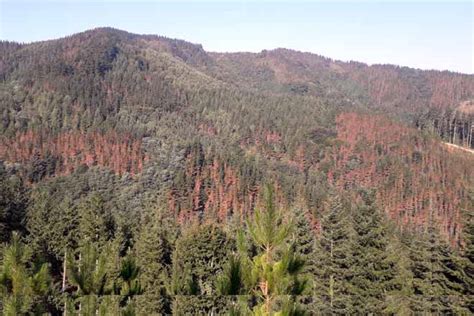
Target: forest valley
(142, 175)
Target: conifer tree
(13, 203)
(153, 249)
(437, 274)
(128, 285)
(335, 249)
(198, 259)
(129, 275)
(23, 286)
(87, 273)
(96, 224)
(398, 301)
(271, 272)
(304, 238)
(52, 226)
(375, 263)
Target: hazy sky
(427, 35)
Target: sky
(427, 34)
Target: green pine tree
(335, 248)
(304, 238)
(128, 284)
(199, 257)
(398, 301)
(52, 226)
(267, 265)
(437, 273)
(23, 286)
(96, 224)
(13, 203)
(154, 250)
(88, 274)
(375, 262)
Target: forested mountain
(143, 175)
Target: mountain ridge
(212, 127)
(109, 30)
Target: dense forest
(142, 175)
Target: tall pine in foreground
(87, 273)
(267, 266)
(275, 268)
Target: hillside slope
(201, 132)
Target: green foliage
(203, 250)
(198, 259)
(212, 128)
(437, 274)
(153, 250)
(231, 281)
(23, 285)
(304, 237)
(129, 284)
(335, 259)
(13, 203)
(273, 273)
(375, 263)
(267, 229)
(88, 272)
(53, 227)
(96, 224)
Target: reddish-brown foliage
(415, 177)
(212, 190)
(118, 152)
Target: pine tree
(375, 264)
(231, 281)
(271, 272)
(128, 285)
(437, 274)
(153, 250)
(96, 224)
(469, 264)
(304, 238)
(88, 274)
(23, 286)
(198, 259)
(13, 203)
(53, 228)
(398, 301)
(335, 248)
